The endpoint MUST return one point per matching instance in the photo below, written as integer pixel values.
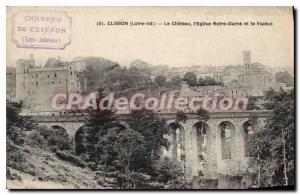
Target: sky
(171, 45)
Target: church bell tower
(247, 60)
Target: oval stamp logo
(41, 29)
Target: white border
(111, 3)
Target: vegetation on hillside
(111, 155)
(272, 145)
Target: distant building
(205, 75)
(255, 74)
(217, 75)
(35, 85)
(230, 75)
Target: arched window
(226, 132)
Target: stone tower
(247, 60)
(22, 68)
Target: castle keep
(36, 84)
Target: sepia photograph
(150, 98)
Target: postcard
(150, 98)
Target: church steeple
(247, 60)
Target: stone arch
(227, 133)
(176, 135)
(247, 132)
(60, 128)
(56, 126)
(81, 137)
(124, 124)
(201, 133)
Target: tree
(153, 129)
(98, 125)
(283, 130)
(274, 143)
(12, 115)
(175, 81)
(254, 124)
(160, 80)
(207, 82)
(203, 115)
(167, 170)
(130, 151)
(190, 78)
(106, 148)
(130, 147)
(181, 117)
(16, 124)
(13, 119)
(284, 77)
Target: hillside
(36, 168)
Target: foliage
(167, 170)
(207, 82)
(190, 78)
(273, 145)
(70, 158)
(153, 128)
(130, 146)
(181, 116)
(96, 126)
(284, 77)
(203, 115)
(22, 134)
(13, 119)
(192, 81)
(131, 151)
(122, 78)
(175, 81)
(160, 80)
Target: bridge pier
(216, 164)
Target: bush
(16, 135)
(166, 170)
(70, 158)
(18, 159)
(54, 139)
(35, 139)
(58, 143)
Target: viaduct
(213, 150)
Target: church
(255, 74)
